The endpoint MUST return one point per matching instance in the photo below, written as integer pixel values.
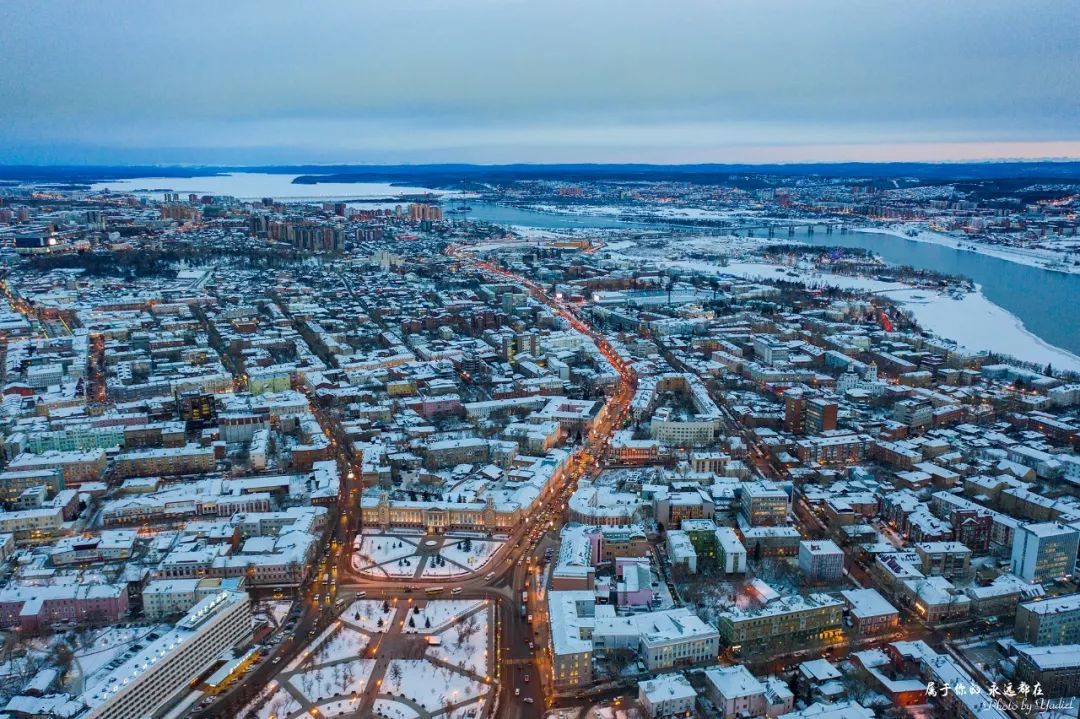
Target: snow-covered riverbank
(1043, 259)
(976, 323)
(972, 322)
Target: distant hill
(448, 174)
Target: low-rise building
(820, 560)
(789, 618)
(668, 695)
(1049, 621)
(1056, 668)
(763, 504)
(870, 613)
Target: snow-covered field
(430, 686)
(339, 707)
(378, 549)
(447, 569)
(404, 567)
(305, 656)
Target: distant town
(758, 444)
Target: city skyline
(491, 83)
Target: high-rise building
(794, 410)
(820, 416)
(419, 212)
(157, 672)
(804, 414)
(1045, 551)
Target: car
(361, 595)
(408, 589)
(489, 576)
(277, 660)
(528, 700)
(526, 678)
(517, 691)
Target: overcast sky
(487, 81)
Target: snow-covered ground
(440, 612)
(278, 611)
(1031, 257)
(280, 704)
(404, 567)
(333, 680)
(379, 549)
(465, 644)
(812, 279)
(305, 657)
(973, 322)
(393, 709)
(977, 323)
(475, 558)
(447, 569)
(343, 644)
(430, 686)
(366, 613)
(340, 707)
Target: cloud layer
(502, 81)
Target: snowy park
(384, 555)
(433, 557)
(280, 704)
(393, 709)
(338, 675)
(470, 553)
(370, 615)
(436, 614)
(465, 644)
(341, 679)
(433, 687)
